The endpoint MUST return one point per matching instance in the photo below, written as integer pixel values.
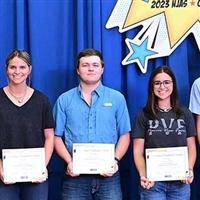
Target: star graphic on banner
(180, 15)
(139, 54)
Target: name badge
(108, 104)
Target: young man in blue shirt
(91, 113)
(194, 104)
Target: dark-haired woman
(163, 123)
(26, 122)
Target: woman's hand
(69, 170)
(2, 174)
(1, 171)
(189, 178)
(42, 178)
(145, 183)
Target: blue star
(139, 54)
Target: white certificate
(23, 165)
(90, 158)
(167, 164)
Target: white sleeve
(194, 104)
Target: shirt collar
(98, 90)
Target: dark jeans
(92, 187)
(24, 191)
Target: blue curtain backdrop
(54, 31)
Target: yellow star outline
(179, 20)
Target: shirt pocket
(107, 117)
(75, 122)
(107, 125)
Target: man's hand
(109, 174)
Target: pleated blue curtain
(54, 31)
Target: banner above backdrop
(165, 24)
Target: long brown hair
(152, 101)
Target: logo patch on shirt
(108, 104)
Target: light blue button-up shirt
(194, 105)
(104, 121)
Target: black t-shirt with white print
(167, 130)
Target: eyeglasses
(166, 83)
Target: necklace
(164, 109)
(20, 99)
